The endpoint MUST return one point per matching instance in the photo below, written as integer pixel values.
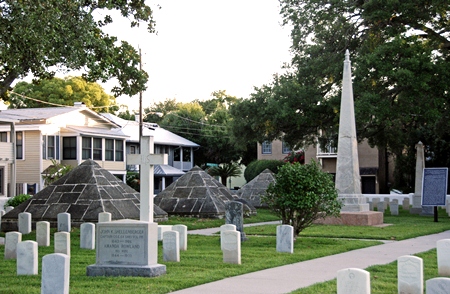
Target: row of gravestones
(393, 205)
(409, 275)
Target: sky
(202, 46)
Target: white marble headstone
(438, 286)
(162, 229)
(87, 236)
(11, 240)
(55, 274)
(62, 243)
(64, 222)
(410, 274)
(171, 246)
(182, 230)
(27, 258)
(223, 228)
(353, 281)
(443, 257)
(43, 233)
(285, 238)
(405, 203)
(231, 247)
(104, 217)
(24, 223)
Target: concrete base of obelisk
(355, 212)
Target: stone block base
(154, 270)
(364, 218)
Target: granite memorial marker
(62, 243)
(234, 214)
(87, 236)
(438, 286)
(126, 248)
(64, 222)
(24, 223)
(182, 230)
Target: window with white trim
(266, 147)
(286, 149)
(69, 148)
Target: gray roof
(23, 115)
(195, 194)
(253, 190)
(164, 170)
(83, 130)
(83, 192)
(160, 136)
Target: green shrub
(256, 167)
(302, 194)
(15, 201)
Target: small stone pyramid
(83, 192)
(253, 190)
(195, 194)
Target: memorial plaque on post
(126, 248)
(434, 186)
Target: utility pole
(141, 123)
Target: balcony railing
(327, 151)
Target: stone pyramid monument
(195, 194)
(83, 192)
(253, 190)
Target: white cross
(146, 159)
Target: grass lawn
(202, 262)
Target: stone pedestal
(127, 248)
(366, 218)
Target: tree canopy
(65, 91)
(207, 123)
(400, 62)
(42, 37)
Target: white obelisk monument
(348, 180)
(420, 165)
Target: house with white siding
(31, 138)
(180, 150)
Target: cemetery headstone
(285, 238)
(443, 257)
(24, 222)
(27, 258)
(55, 274)
(62, 243)
(223, 228)
(104, 217)
(394, 208)
(375, 202)
(438, 286)
(162, 229)
(370, 205)
(11, 241)
(380, 206)
(171, 246)
(386, 202)
(231, 247)
(126, 248)
(353, 281)
(8, 208)
(2, 240)
(87, 236)
(405, 203)
(410, 274)
(234, 214)
(64, 222)
(182, 230)
(43, 233)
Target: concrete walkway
(285, 279)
